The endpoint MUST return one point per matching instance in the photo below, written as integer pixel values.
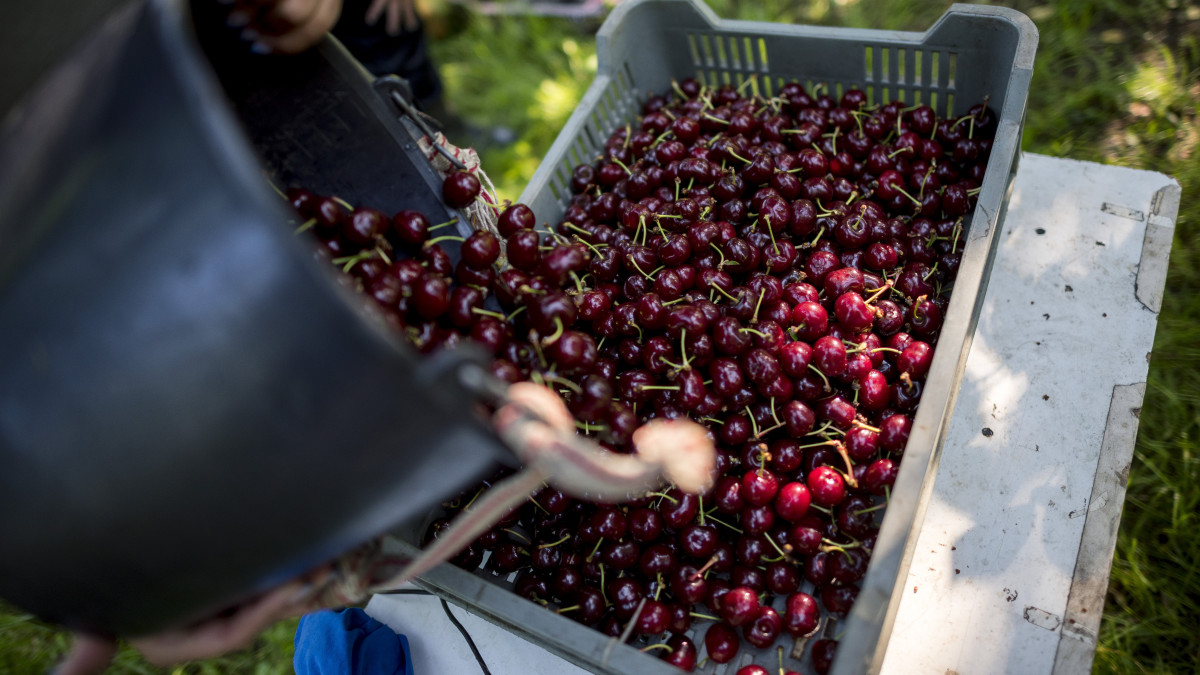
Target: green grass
(1115, 82)
(31, 647)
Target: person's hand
(399, 14)
(284, 26)
(89, 655)
(230, 631)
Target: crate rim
(869, 624)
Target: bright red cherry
(759, 487)
(853, 312)
(792, 502)
(826, 486)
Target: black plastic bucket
(192, 409)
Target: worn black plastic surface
(317, 122)
(191, 408)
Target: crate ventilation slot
(738, 60)
(616, 104)
(914, 76)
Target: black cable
(453, 619)
(467, 637)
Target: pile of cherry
(776, 269)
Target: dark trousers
(405, 54)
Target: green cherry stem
(448, 223)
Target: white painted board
(1061, 327)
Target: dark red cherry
(739, 605)
(758, 519)
(654, 618)
(644, 524)
(436, 259)
(906, 394)
(592, 304)
(763, 628)
(760, 366)
(893, 433)
(460, 188)
(838, 410)
(550, 313)
(805, 537)
(698, 541)
(566, 583)
(507, 558)
(480, 250)
(411, 228)
(854, 516)
(801, 616)
(522, 250)
(839, 599)
(680, 509)
(682, 653)
(624, 594)
(925, 317)
(786, 453)
(880, 476)
(794, 358)
(431, 296)
(844, 280)
(363, 226)
(688, 585)
(727, 495)
(782, 578)
(721, 642)
(515, 217)
(861, 443)
(798, 418)
(823, 653)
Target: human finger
(376, 10)
(542, 402)
(89, 655)
(411, 21)
(393, 18)
(312, 27)
(224, 634)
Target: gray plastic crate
(972, 52)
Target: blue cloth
(348, 642)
